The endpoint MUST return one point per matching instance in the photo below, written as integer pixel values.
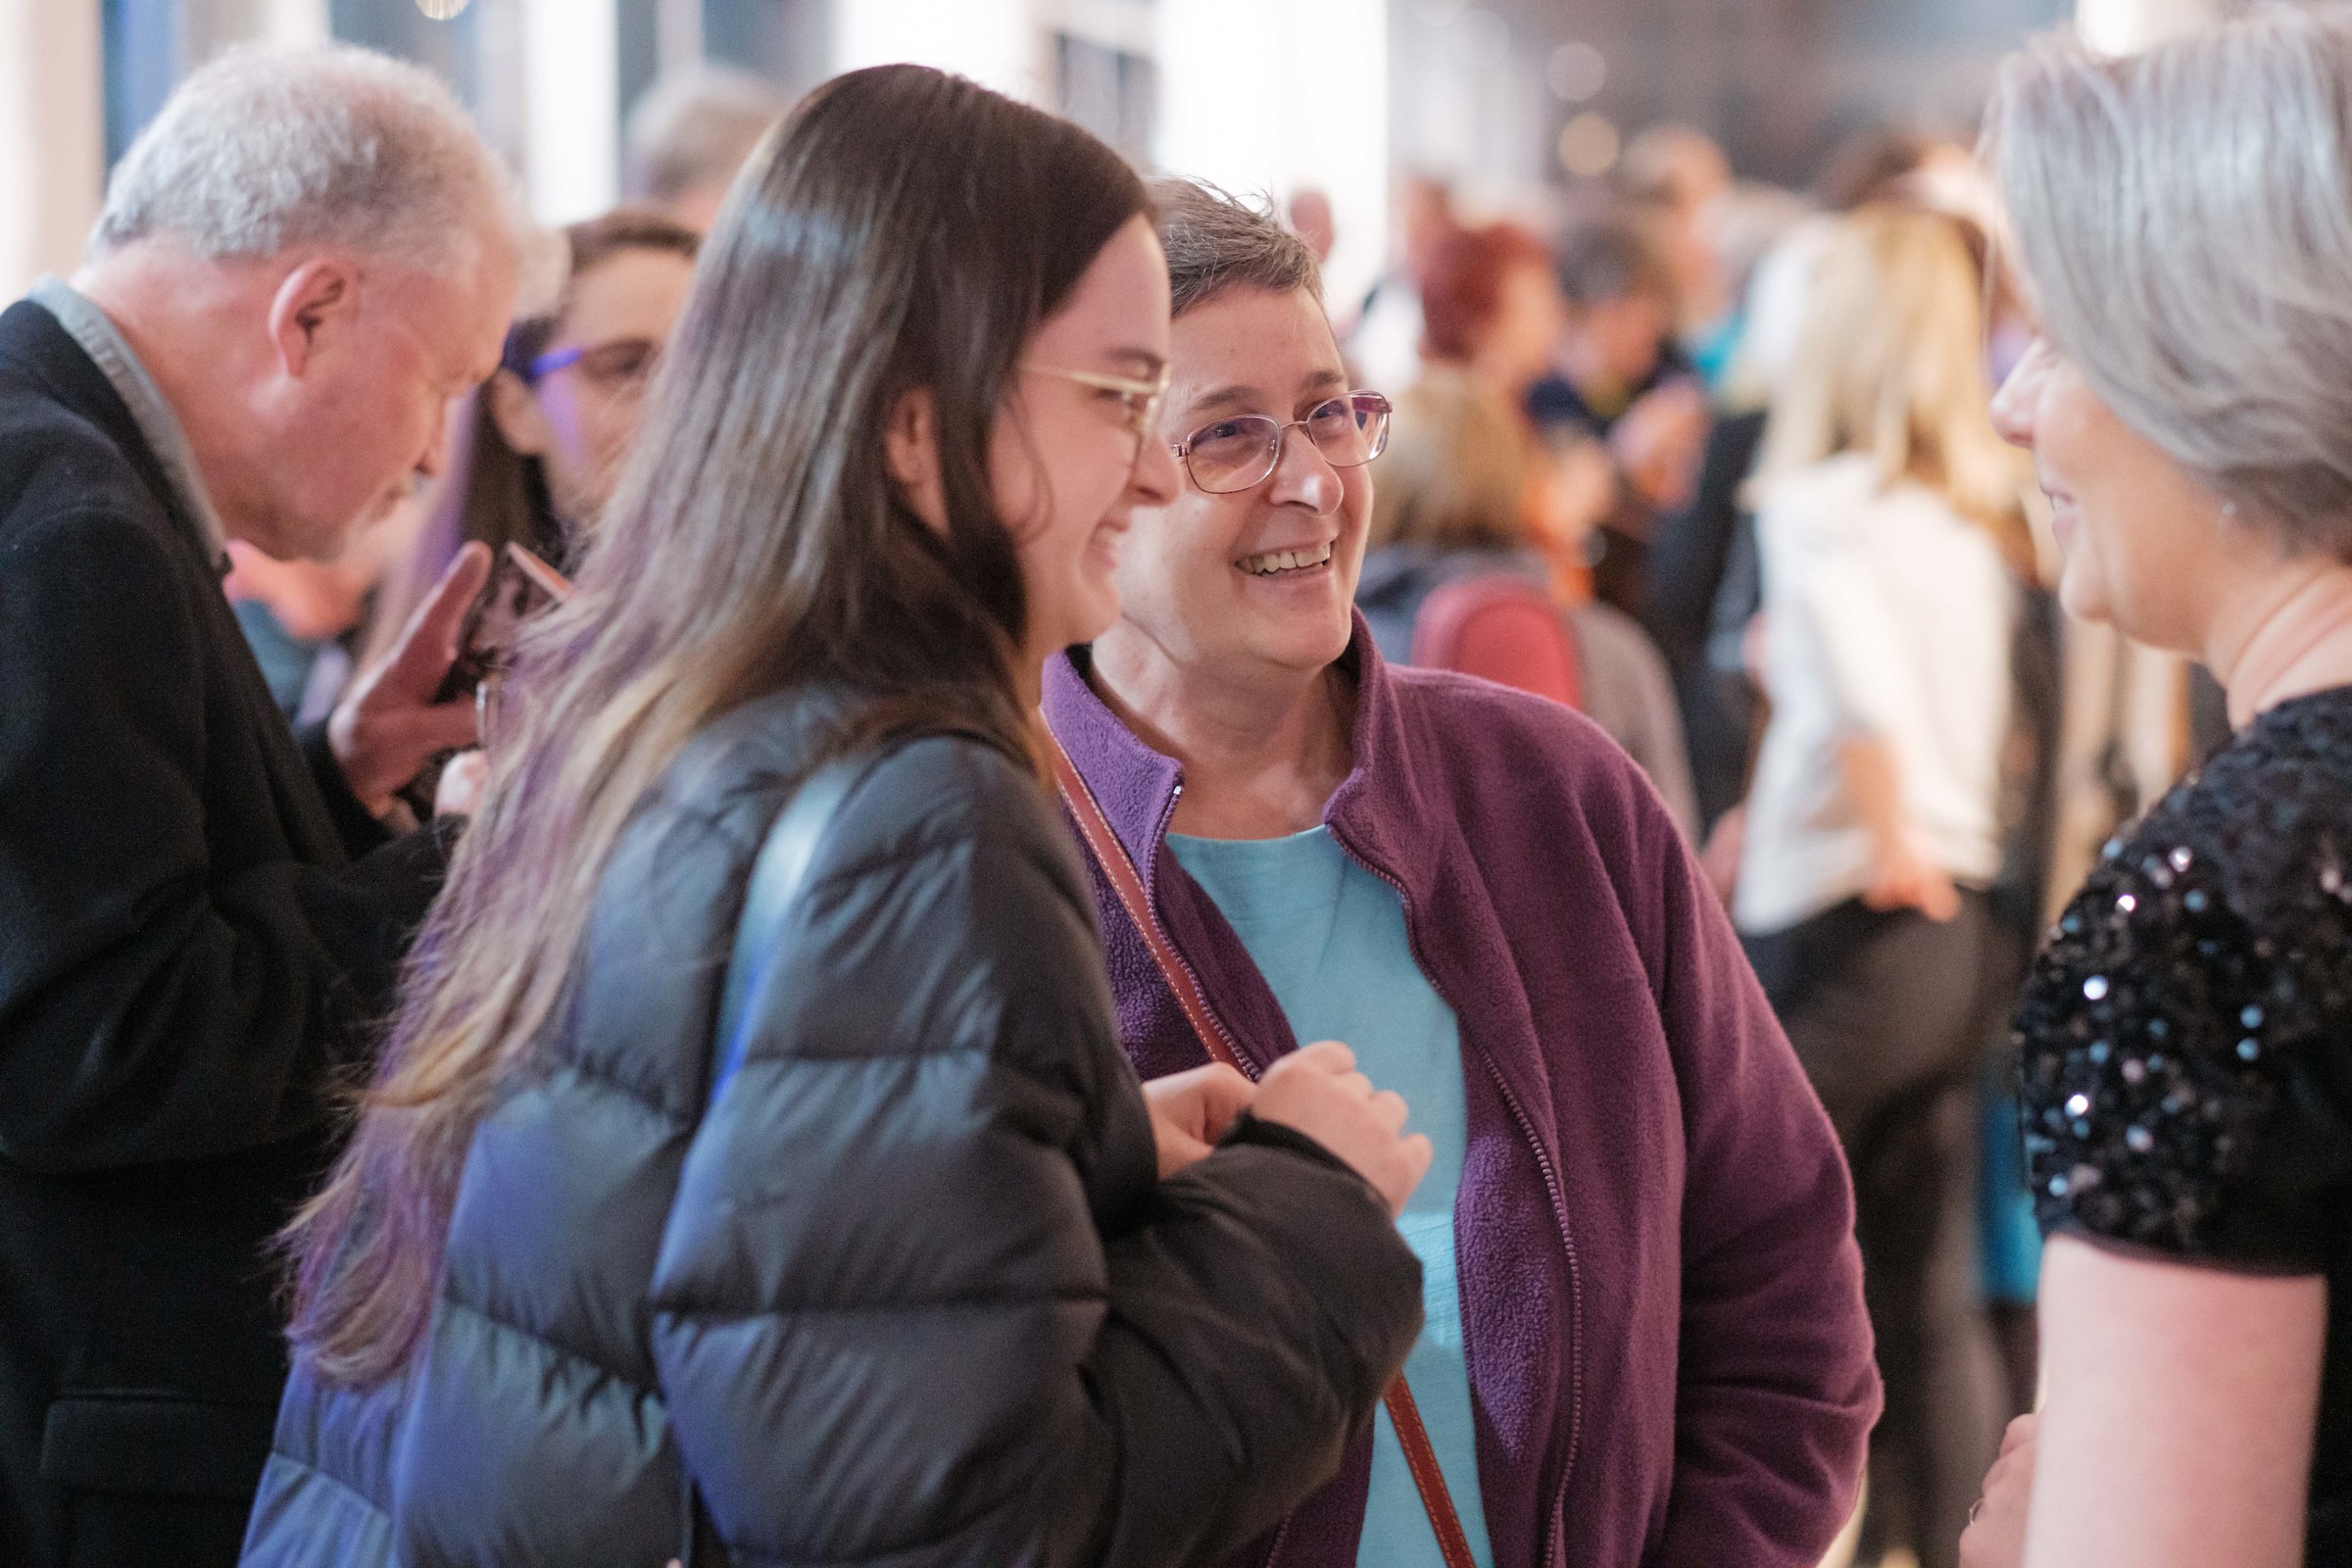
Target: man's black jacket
(197, 925)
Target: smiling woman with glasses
(1645, 1343)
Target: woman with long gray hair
(2184, 227)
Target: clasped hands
(1315, 1091)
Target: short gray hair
(2182, 218)
(1215, 242)
(264, 149)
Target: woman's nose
(1156, 478)
(1303, 476)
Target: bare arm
(1900, 876)
(2181, 1403)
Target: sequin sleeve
(2185, 1036)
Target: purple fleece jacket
(1661, 1299)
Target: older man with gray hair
(299, 264)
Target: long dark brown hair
(902, 230)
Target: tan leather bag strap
(1111, 855)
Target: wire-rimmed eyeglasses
(1242, 449)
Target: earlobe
(911, 451)
(522, 422)
(309, 300)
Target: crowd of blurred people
(1714, 466)
(1610, 676)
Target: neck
(2289, 635)
(1029, 683)
(1262, 746)
(171, 316)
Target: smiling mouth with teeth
(1276, 563)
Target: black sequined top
(2186, 1040)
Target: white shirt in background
(1887, 614)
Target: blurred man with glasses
(1644, 1340)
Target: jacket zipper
(1249, 1063)
(1527, 1130)
(1553, 1189)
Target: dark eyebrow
(1316, 388)
(1319, 384)
(1222, 397)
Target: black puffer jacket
(909, 1291)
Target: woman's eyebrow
(1236, 395)
(1321, 382)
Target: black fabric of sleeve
(1033, 1385)
(362, 833)
(176, 980)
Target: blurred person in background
(1451, 510)
(1383, 335)
(698, 1217)
(1888, 516)
(1491, 309)
(1616, 374)
(1739, 229)
(300, 263)
(1675, 161)
(689, 133)
(2182, 225)
(1698, 548)
(1874, 164)
(1311, 218)
(1645, 1338)
(1675, 178)
(1702, 583)
(1492, 314)
(544, 439)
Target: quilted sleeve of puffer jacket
(325, 1494)
(920, 1299)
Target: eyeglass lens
(1235, 453)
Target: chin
(298, 539)
(2081, 596)
(1312, 647)
(1091, 615)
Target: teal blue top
(1329, 936)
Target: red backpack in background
(1503, 629)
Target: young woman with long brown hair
(899, 1263)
